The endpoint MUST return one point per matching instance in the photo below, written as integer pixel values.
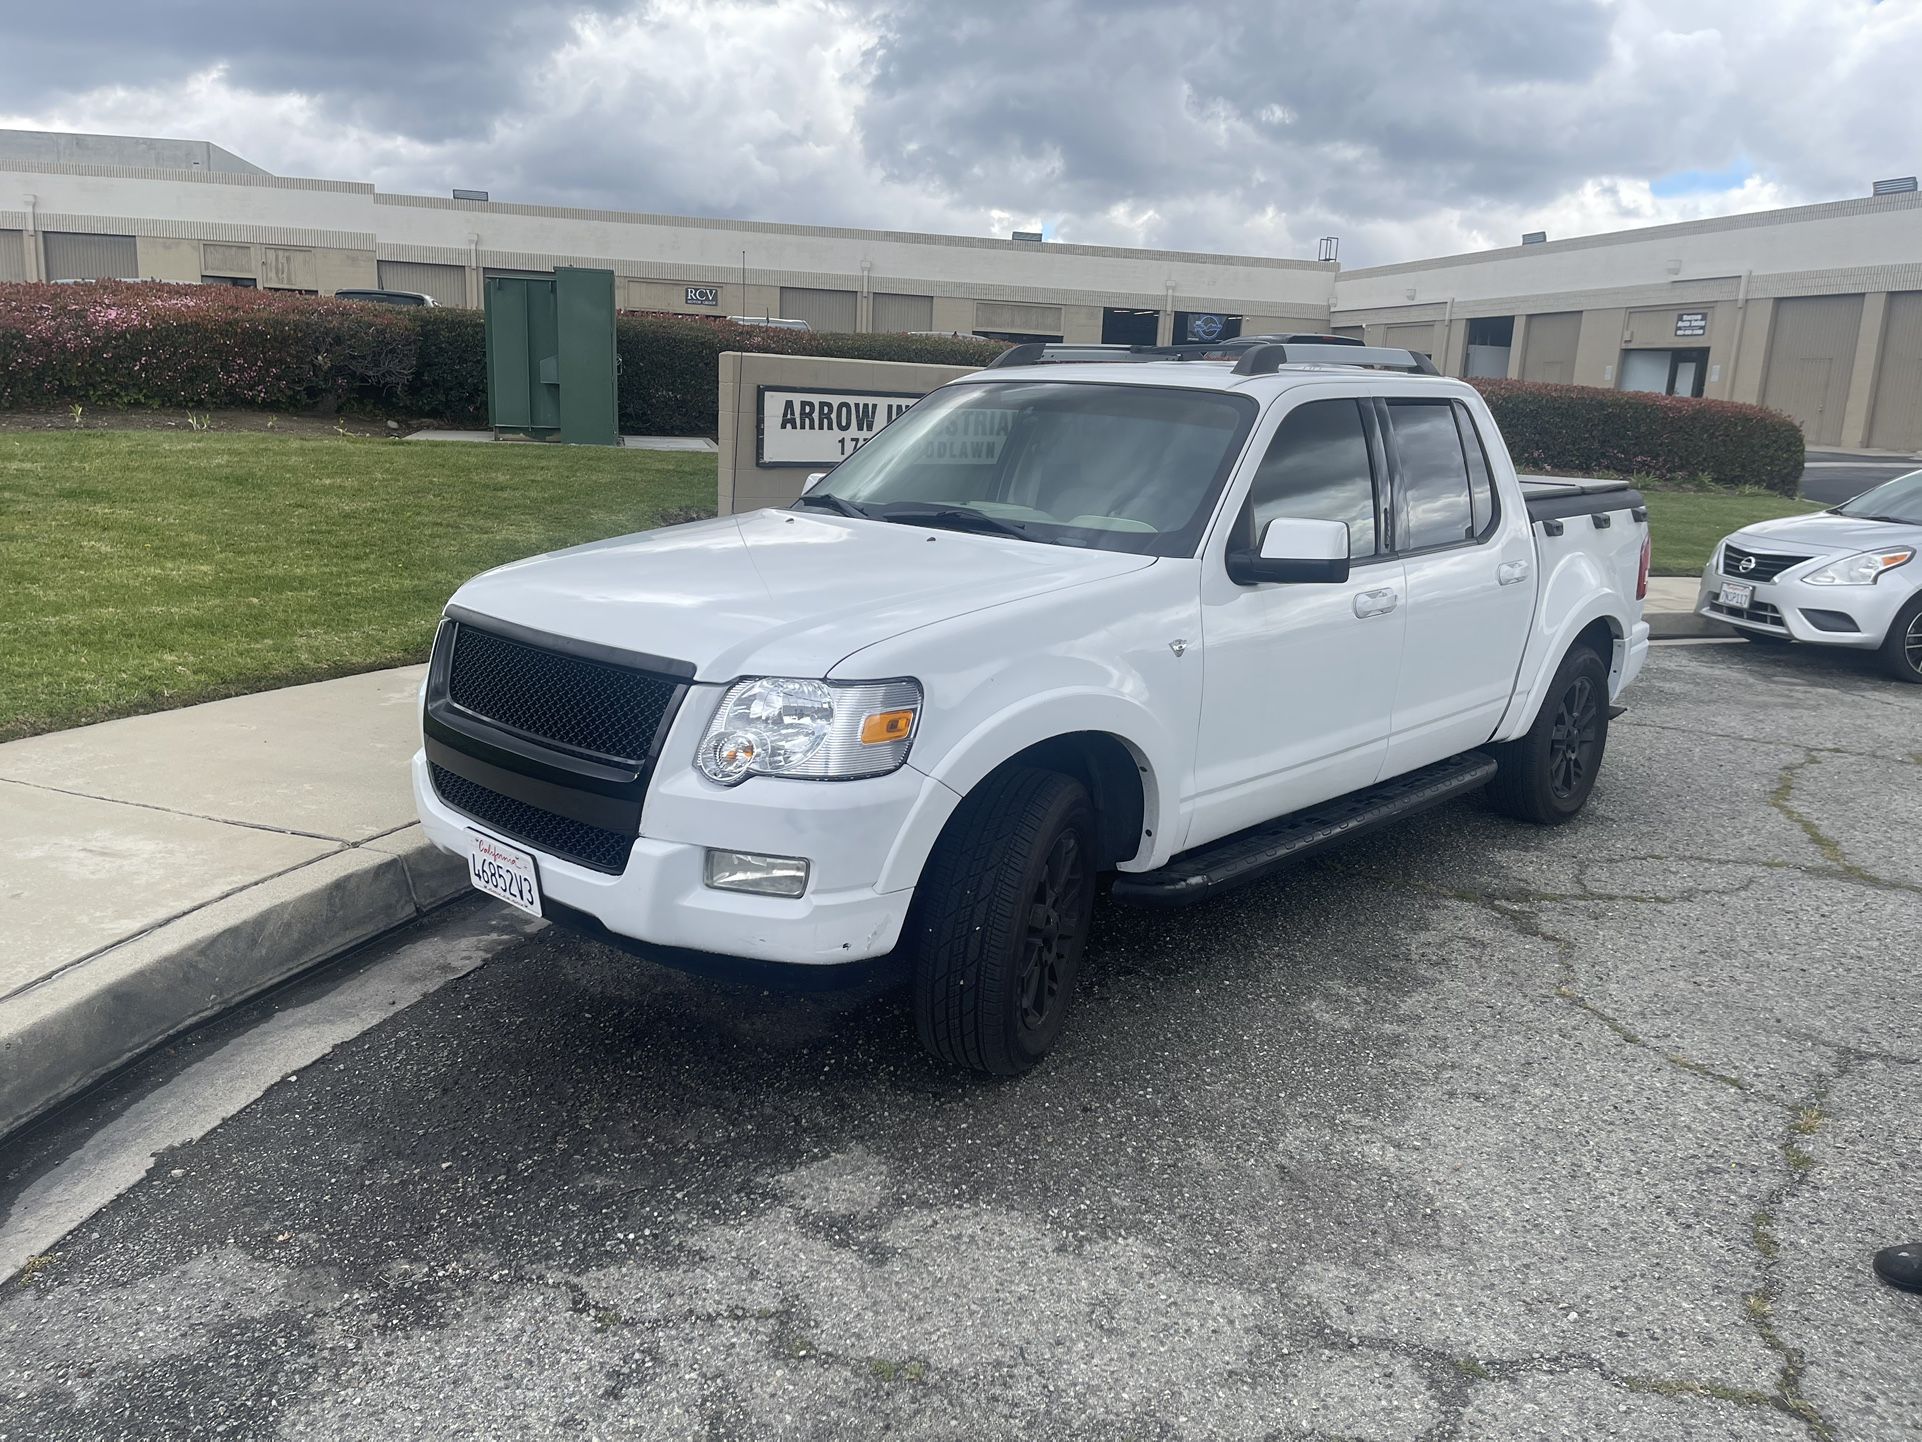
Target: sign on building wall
(810, 427)
(1691, 322)
(703, 295)
(1205, 327)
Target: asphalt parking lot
(1470, 1131)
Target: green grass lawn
(1685, 525)
(140, 570)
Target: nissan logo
(1745, 565)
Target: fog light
(763, 875)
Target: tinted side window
(1317, 469)
(1433, 492)
(1481, 487)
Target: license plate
(504, 871)
(1737, 594)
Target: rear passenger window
(1481, 489)
(1433, 485)
(1317, 469)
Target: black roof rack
(1264, 360)
(1253, 355)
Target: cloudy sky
(1406, 127)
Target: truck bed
(1556, 498)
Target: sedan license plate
(1737, 594)
(504, 871)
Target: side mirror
(813, 480)
(1294, 550)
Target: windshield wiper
(834, 503)
(1892, 520)
(953, 518)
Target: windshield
(1114, 467)
(1896, 500)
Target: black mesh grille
(542, 830)
(1767, 565)
(584, 705)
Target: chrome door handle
(1376, 603)
(1509, 572)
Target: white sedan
(1842, 577)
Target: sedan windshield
(1896, 500)
(1113, 467)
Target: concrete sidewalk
(164, 867)
(1670, 610)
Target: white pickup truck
(1179, 616)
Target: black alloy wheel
(1574, 739)
(1056, 920)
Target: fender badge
(1179, 646)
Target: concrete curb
(1672, 625)
(82, 1023)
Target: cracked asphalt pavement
(1468, 1131)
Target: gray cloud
(1238, 125)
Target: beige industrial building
(1816, 310)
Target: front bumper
(847, 830)
(1851, 616)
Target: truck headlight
(1860, 570)
(821, 730)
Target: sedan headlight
(1860, 570)
(822, 730)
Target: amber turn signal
(886, 726)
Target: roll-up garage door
(1411, 337)
(903, 312)
(71, 256)
(13, 255)
(824, 310)
(447, 284)
(1548, 346)
(1896, 422)
(1811, 352)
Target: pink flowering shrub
(140, 343)
(136, 343)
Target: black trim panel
(737, 970)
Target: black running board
(1249, 855)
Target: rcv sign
(810, 427)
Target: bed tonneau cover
(1554, 498)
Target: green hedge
(146, 344)
(1581, 428)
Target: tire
(1546, 775)
(1001, 921)
(1902, 647)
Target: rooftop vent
(1901, 185)
(1328, 248)
(1034, 235)
(470, 195)
(1535, 237)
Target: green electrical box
(552, 372)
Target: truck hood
(1823, 534)
(774, 592)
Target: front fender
(1007, 733)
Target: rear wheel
(1001, 921)
(1902, 647)
(1546, 775)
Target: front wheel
(1001, 921)
(1546, 775)
(1902, 647)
